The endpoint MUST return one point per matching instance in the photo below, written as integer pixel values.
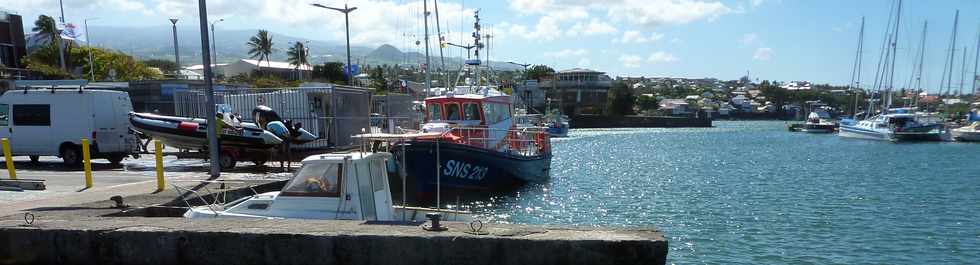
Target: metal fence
(391, 112)
(332, 113)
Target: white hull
(965, 135)
(846, 131)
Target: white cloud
(633, 36)
(593, 27)
(630, 61)
(756, 3)
(661, 57)
(659, 12)
(750, 38)
(566, 53)
(584, 63)
(373, 23)
(762, 54)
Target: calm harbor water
(751, 192)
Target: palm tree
(297, 56)
(260, 46)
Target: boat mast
(952, 53)
(918, 76)
(428, 67)
(976, 58)
(442, 40)
(962, 74)
(894, 51)
(856, 71)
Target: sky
(781, 40)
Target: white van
(52, 122)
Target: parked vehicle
(52, 122)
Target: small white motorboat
(969, 133)
(347, 186)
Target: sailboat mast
(952, 54)
(856, 71)
(428, 66)
(894, 47)
(922, 55)
(962, 73)
(976, 58)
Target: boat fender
(187, 126)
(279, 129)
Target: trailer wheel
(71, 156)
(226, 160)
(115, 159)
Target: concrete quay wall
(137, 240)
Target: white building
(676, 107)
(247, 66)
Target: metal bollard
(9, 158)
(158, 147)
(87, 160)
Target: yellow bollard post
(161, 183)
(9, 158)
(87, 160)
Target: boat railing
(219, 198)
(529, 141)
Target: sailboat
(901, 124)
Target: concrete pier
(86, 234)
(133, 240)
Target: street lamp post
(213, 147)
(88, 41)
(61, 44)
(214, 40)
(176, 50)
(346, 10)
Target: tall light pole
(61, 44)
(346, 10)
(176, 50)
(214, 48)
(213, 147)
(88, 41)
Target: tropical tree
(621, 99)
(260, 47)
(165, 66)
(330, 71)
(45, 25)
(536, 72)
(378, 81)
(297, 56)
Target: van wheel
(71, 155)
(115, 160)
(34, 159)
(226, 160)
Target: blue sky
(774, 39)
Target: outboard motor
(263, 115)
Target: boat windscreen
(315, 180)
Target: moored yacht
(819, 121)
(893, 127)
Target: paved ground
(134, 176)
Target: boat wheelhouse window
(435, 111)
(316, 180)
(32, 115)
(453, 112)
(495, 112)
(471, 111)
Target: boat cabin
(351, 186)
(468, 110)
